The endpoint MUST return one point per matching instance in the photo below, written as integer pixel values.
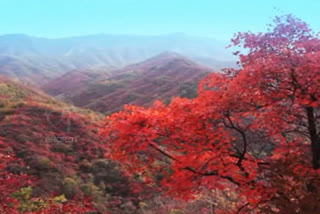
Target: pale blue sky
(210, 18)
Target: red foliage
(247, 131)
(11, 183)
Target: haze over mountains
(39, 60)
(161, 77)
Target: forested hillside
(56, 153)
(159, 78)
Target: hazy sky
(210, 18)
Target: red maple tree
(254, 131)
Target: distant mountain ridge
(161, 77)
(39, 60)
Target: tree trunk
(315, 140)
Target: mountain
(161, 77)
(73, 81)
(39, 60)
(58, 143)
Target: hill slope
(71, 82)
(161, 77)
(58, 143)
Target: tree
(248, 131)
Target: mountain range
(39, 60)
(159, 78)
